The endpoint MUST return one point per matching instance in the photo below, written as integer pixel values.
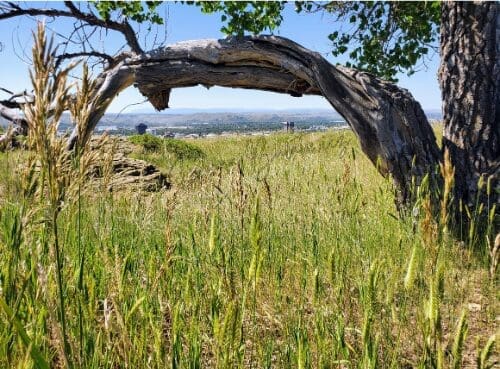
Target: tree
(391, 126)
(470, 83)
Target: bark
(391, 126)
(19, 125)
(12, 115)
(109, 85)
(470, 78)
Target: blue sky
(186, 23)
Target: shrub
(147, 141)
(180, 149)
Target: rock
(126, 173)
(474, 307)
(136, 174)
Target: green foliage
(147, 141)
(37, 357)
(180, 149)
(385, 38)
(458, 342)
(484, 355)
(240, 17)
(136, 10)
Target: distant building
(288, 126)
(141, 128)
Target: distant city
(192, 123)
(215, 124)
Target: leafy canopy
(239, 17)
(136, 10)
(383, 38)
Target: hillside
(280, 251)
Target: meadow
(280, 251)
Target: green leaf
(35, 354)
(387, 37)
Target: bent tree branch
(391, 126)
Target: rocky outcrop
(134, 174)
(119, 172)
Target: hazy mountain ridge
(155, 120)
(236, 118)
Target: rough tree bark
(470, 82)
(108, 85)
(391, 126)
(19, 124)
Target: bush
(180, 149)
(147, 141)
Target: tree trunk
(390, 125)
(470, 78)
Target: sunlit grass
(321, 274)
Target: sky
(187, 23)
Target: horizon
(190, 111)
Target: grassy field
(284, 251)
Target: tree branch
(123, 27)
(111, 60)
(11, 10)
(391, 126)
(12, 115)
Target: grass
(278, 251)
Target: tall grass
(279, 251)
